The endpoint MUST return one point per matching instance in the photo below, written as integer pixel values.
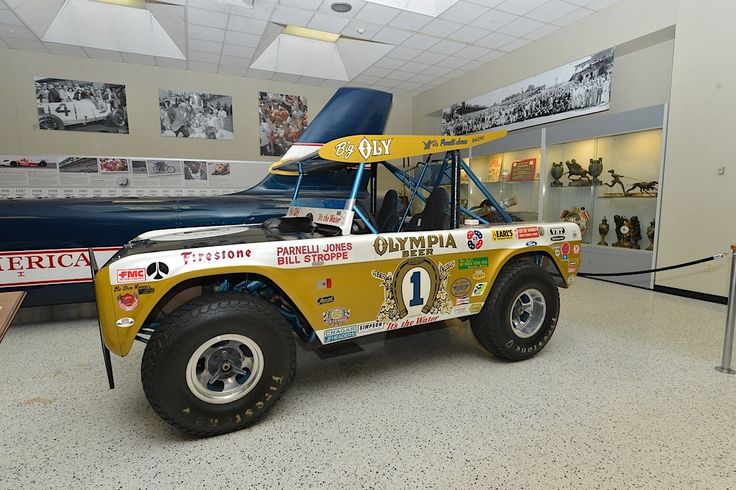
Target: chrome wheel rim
(224, 368)
(527, 313)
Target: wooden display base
(9, 305)
(609, 195)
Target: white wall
(698, 205)
(19, 133)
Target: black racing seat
(388, 216)
(435, 215)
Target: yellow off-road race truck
(219, 307)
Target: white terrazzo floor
(624, 396)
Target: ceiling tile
(234, 61)
(379, 72)
(573, 16)
(261, 74)
(400, 75)
(139, 59)
(437, 70)
(600, 4)
(8, 17)
(493, 19)
(332, 83)
(469, 34)
(25, 44)
(447, 47)
(463, 12)
(486, 3)
(19, 32)
(311, 80)
(422, 78)
(291, 16)
(207, 18)
(415, 66)
(242, 39)
(203, 57)
(209, 5)
(514, 45)
(357, 5)
(3, 6)
(66, 50)
(353, 28)
(205, 67)
(378, 14)
(204, 46)
(420, 41)
(386, 83)
(103, 54)
(495, 40)
(520, 27)
(404, 53)
(171, 63)
(541, 32)
(410, 21)
(238, 51)
(391, 35)
(472, 52)
(3, 45)
(491, 55)
(237, 71)
(580, 3)
(441, 28)
(519, 7)
(262, 9)
(206, 33)
(551, 10)
(430, 58)
(327, 23)
(455, 62)
(305, 4)
(390, 63)
(366, 78)
(246, 24)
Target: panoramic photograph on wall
(283, 119)
(76, 105)
(575, 89)
(186, 114)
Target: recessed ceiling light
(341, 7)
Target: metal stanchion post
(725, 366)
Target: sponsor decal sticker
(476, 307)
(336, 316)
(341, 333)
(475, 239)
(557, 230)
(576, 249)
(462, 301)
(565, 248)
(572, 269)
(145, 290)
(313, 254)
(557, 238)
(479, 289)
(526, 232)
(190, 257)
(461, 310)
(531, 244)
(128, 301)
(365, 328)
(125, 322)
(157, 270)
(472, 263)
(324, 283)
(478, 274)
(325, 299)
(131, 275)
(460, 287)
(506, 234)
(52, 266)
(414, 246)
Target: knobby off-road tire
(520, 314)
(217, 335)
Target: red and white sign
(132, 275)
(53, 266)
(528, 232)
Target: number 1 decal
(416, 281)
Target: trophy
(650, 235)
(623, 232)
(595, 168)
(574, 169)
(635, 231)
(603, 230)
(557, 171)
(579, 216)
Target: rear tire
(520, 313)
(239, 341)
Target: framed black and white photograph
(218, 169)
(76, 105)
(163, 168)
(575, 89)
(282, 120)
(79, 165)
(186, 114)
(195, 170)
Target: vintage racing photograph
(79, 165)
(283, 119)
(195, 170)
(160, 168)
(187, 114)
(218, 168)
(15, 161)
(76, 105)
(112, 164)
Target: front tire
(520, 314)
(218, 363)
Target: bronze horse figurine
(575, 169)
